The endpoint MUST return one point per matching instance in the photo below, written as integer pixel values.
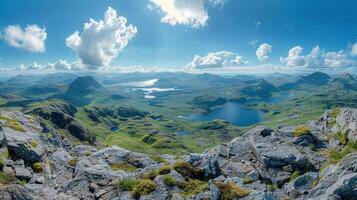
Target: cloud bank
(101, 41)
(32, 38)
(318, 58)
(193, 13)
(216, 60)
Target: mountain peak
(83, 85)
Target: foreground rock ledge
(36, 163)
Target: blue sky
(232, 26)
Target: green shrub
(150, 175)
(169, 180)
(6, 178)
(187, 170)
(192, 187)
(126, 184)
(164, 169)
(301, 130)
(37, 167)
(122, 166)
(230, 191)
(144, 187)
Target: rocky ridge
(317, 160)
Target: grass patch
(158, 159)
(192, 187)
(342, 137)
(333, 116)
(230, 191)
(122, 166)
(169, 180)
(126, 184)
(13, 124)
(335, 156)
(144, 187)
(301, 130)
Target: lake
(233, 113)
(237, 114)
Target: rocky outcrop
(263, 163)
(339, 181)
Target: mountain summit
(83, 85)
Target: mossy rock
(122, 166)
(144, 187)
(164, 169)
(150, 175)
(301, 130)
(169, 180)
(7, 178)
(37, 167)
(187, 170)
(230, 191)
(192, 187)
(73, 162)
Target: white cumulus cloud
(32, 38)
(318, 58)
(263, 51)
(216, 60)
(101, 41)
(186, 12)
(294, 59)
